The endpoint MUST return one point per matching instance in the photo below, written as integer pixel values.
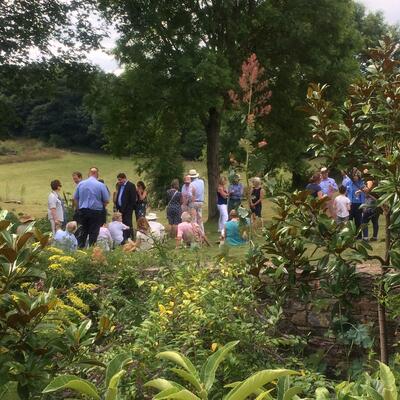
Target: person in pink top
(188, 232)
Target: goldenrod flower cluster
(54, 250)
(86, 287)
(77, 301)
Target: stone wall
(314, 318)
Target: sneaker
(365, 239)
(373, 239)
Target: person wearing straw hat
(157, 230)
(198, 185)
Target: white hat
(151, 216)
(324, 169)
(193, 173)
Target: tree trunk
(382, 328)
(382, 294)
(212, 128)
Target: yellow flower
(77, 301)
(65, 307)
(214, 347)
(87, 287)
(162, 309)
(54, 250)
(67, 259)
(54, 258)
(55, 266)
(33, 292)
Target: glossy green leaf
(254, 382)
(211, 365)
(116, 365)
(179, 359)
(74, 383)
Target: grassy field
(29, 183)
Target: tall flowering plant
(253, 100)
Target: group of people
(352, 200)
(184, 212)
(89, 225)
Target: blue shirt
(235, 191)
(232, 234)
(325, 186)
(91, 194)
(121, 192)
(65, 241)
(198, 185)
(346, 180)
(352, 188)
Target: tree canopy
(184, 57)
(47, 25)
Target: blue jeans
(370, 214)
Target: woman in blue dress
(231, 232)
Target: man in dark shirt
(126, 202)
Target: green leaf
(255, 381)
(181, 395)
(72, 382)
(116, 365)
(264, 395)
(211, 365)
(389, 383)
(188, 377)
(372, 393)
(322, 394)
(112, 390)
(162, 384)
(291, 392)
(9, 391)
(179, 359)
(365, 108)
(164, 394)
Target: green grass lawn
(29, 182)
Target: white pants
(223, 216)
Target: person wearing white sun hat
(157, 229)
(198, 185)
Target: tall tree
(194, 50)
(47, 25)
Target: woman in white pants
(222, 203)
(55, 210)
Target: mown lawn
(29, 182)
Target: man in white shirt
(157, 229)
(198, 185)
(342, 205)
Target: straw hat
(151, 216)
(26, 218)
(193, 173)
